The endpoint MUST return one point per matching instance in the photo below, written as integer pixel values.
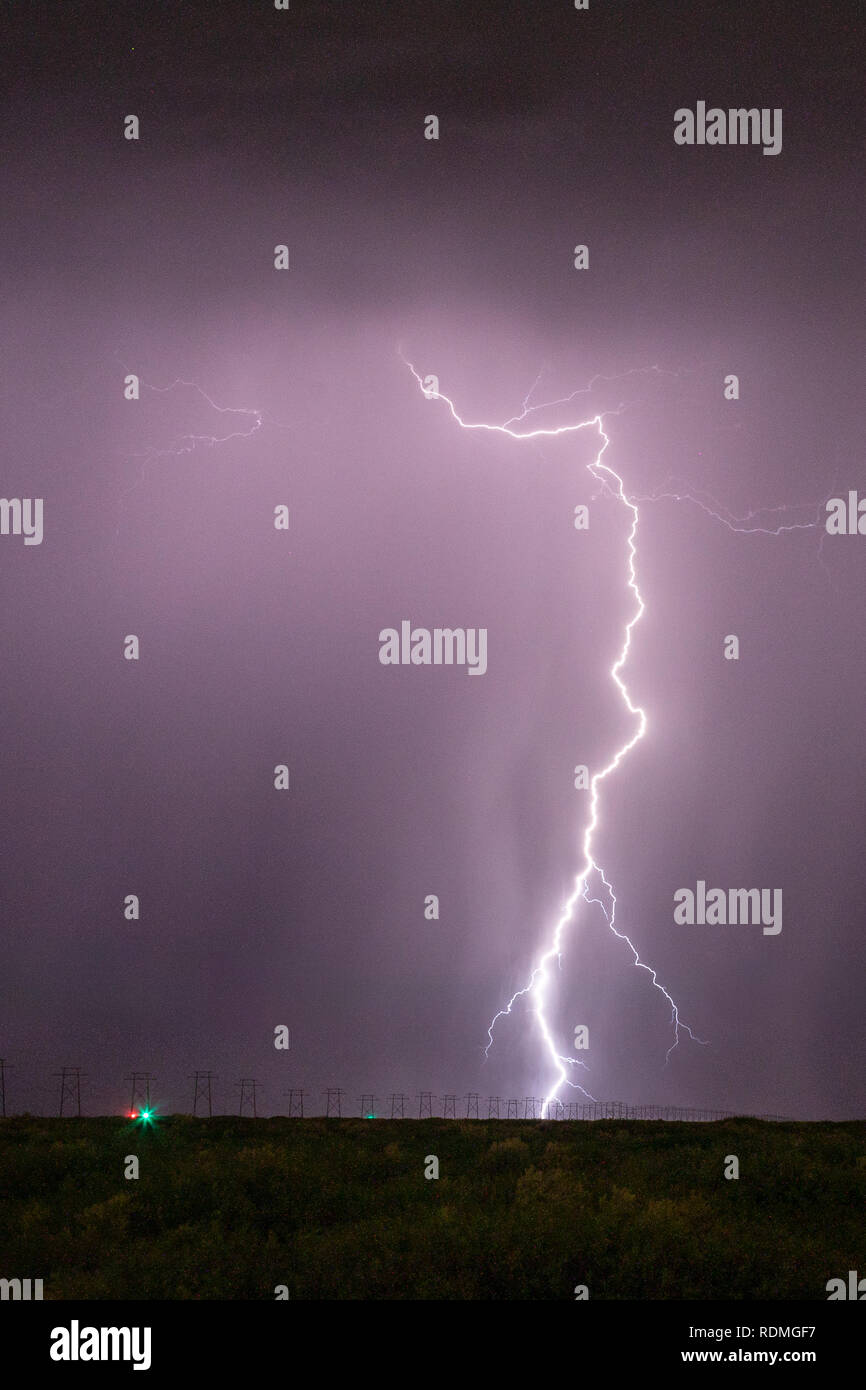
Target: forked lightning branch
(535, 991)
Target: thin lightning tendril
(188, 443)
(611, 922)
(734, 523)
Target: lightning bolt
(536, 988)
(188, 443)
(611, 922)
(611, 483)
(743, 525)
(747, 525)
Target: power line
(335, 1098)
(296, 1102)
(203, 1088)
(140, 1081)
(203, 1081)
(249, 1086)
(70, 1088)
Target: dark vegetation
(230, 1208)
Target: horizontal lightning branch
(188, 443)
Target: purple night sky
(260, 647)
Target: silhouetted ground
(231, 1208)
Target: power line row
(398, 1103)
